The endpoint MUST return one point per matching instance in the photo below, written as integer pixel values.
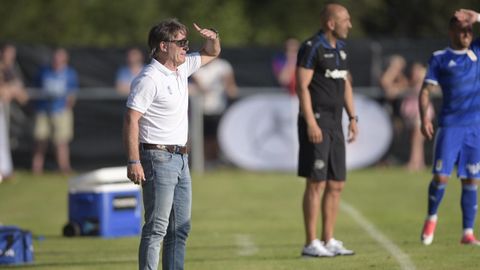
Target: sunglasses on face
(182, 43)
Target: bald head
(335, 21)
(331, 12)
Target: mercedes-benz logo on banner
(260, 133)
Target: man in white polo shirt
(155, 136)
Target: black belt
(174, 149)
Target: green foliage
(106, 23)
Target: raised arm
(467, 16)
(211, 48)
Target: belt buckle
(162, 147)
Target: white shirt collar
(464, 51)
(162, 68)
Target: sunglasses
(182, 43)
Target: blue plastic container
(103, 203)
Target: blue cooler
(103, 203)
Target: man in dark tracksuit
(324, 90)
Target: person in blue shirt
(456, 70)
(135, 61)
(57, 85)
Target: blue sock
(435, 195)
(469, 205)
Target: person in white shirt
(155, 136)
(216, 83)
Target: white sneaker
(316, 249)
(336, 247)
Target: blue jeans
(167, 200)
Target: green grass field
(247, 220)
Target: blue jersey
(458, 74)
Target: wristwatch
(355, 117)
(215, 31)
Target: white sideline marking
(402, 258)
(245, 244)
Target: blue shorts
(457, 146)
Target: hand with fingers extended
(466, 16)
(207, 33)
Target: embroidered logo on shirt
(328, 55)
(309, 43)
(452, 63)
(343, 55)
(169, 89)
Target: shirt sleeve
(307, 55)
(432, 71)
(72, 81)
(142, 94)
(193, 62)
(475, 46)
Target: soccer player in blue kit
(456, 70)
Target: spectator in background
(394, 84)
(135, 61)
(11, 89)
(411, 115)
(216, 82)
(58, 85)
(394, 81)
(284, 65)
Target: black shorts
(210, 125)
(322, 161)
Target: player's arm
(350, 108)
(424, 104)
(304, 77)
(211, 48)
(130, 140)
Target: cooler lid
(116, 176)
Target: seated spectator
(135, 62)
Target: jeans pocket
(151, 158)
(159, 156)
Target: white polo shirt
(161, 95)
